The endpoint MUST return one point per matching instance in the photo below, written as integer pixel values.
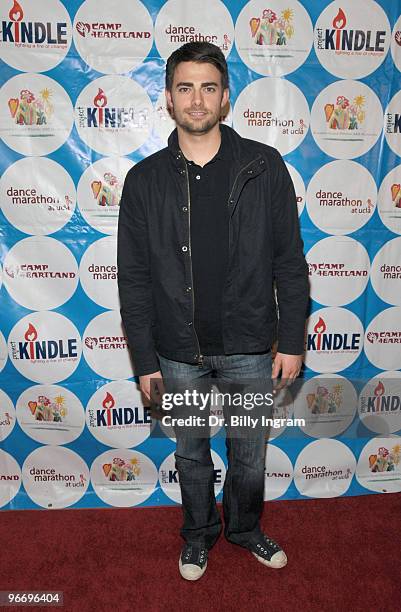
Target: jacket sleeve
(134, 278)
(290, 269)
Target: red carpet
(344, 554)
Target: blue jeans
(243, 492)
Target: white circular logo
(346, 119)
(337, 206)
(116, 416)
(55, 476)
(386, 272)
(99, 192)
(50, 414)
(396, 43)
(392, 123)
(7, 415)
(113, 115)
(352, 38)
(327, 403)
(10, 478)
(3, 352)
(30, 29)
(299, 187)
(383, 339)
(338, 270)
(178, 23)
(380, 403)
(274, 40)
(324, 468)
(123, 478)
(45, 347)
(169, 479)
(379, 465)
(334, 340)
(113, 37)
(37, 195)
(36, 114)
(281, 121)
(278, 472)
(389, 200)
(40, 273)
(105, 346)
(98, 272)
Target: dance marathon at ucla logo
(379, 465)
(176, 24)
(44, 347)
(111, 36)
(281, 121)
(386, 272)
(275, 39)
(50, 414)
(30, 29)
(123, 477)
(98, 272)
(116, 416)
(334, 339)
(113, 115)
(352, 38)
(380, 403)
(55, 476)
(327, 403)
(338, 208)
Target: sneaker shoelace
(194, 555)
(269, 549)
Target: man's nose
(197, 97)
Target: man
(206, 226)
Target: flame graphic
(339, 20)
(379, 390)
(320, 326)
(100, 100)
(31, 334)
(16, 13)
(108, 401)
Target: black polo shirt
(209, 189)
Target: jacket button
(188, 289)
(195, 356)
(189, 323)
(184, 249)
(185, 208)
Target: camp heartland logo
(40, 474)
(32, 34)
(385, 460)
(122, 470)
(345, 116)
(396, 195)
(102, 116)
(334, 269)
(318, 472)
(32, 349)
(380, 401)
(106, 343)
(118, 417)
(108, 30)
(30, 196)
(384, 337)
(107, 192)
(189, 33)
(266, 118)
(271, 29)
(325, 400)
(36, 270)
(31, 110)
(49, 410)
(339, 38)
(337, 199)
(323, 341)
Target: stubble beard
(196, 126)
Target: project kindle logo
(109, 415)
(321, 340)
(33, 349)
(339, 38)
(380, 401)
(102, 116)
(32, 33)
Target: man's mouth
(197, 114)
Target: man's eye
(210, 89)
(183, 89)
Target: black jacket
(154, 257)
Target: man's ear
(169, 99)
(225, 98)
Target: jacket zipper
(200, 356)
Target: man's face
(196, 98)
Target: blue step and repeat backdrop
(82, 101)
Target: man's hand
(289, 365)
(152, 392)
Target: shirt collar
(224, 152)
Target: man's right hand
(152, 392)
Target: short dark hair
(203, 52)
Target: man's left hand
(289, 365)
